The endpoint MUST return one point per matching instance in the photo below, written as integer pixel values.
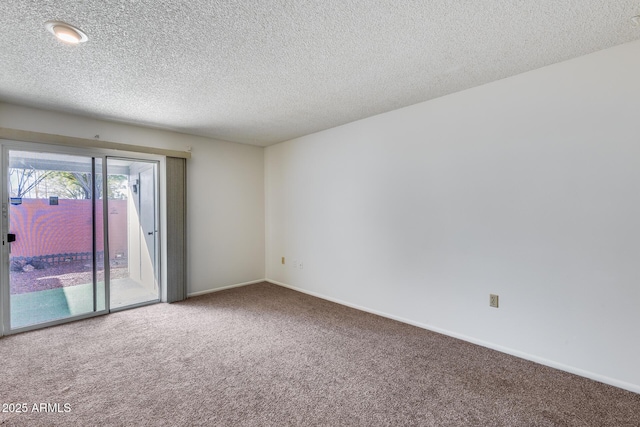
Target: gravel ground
(59, 276)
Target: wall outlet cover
(493, 300)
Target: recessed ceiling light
(65, 32)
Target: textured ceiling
(264, 71)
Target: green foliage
(117, 186)
(66, 185)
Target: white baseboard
(237, 285)
(560, 366)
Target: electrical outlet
(295, 263)
(493, 300)
(282, 260)
(300, 265)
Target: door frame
(103, 154)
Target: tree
(77, 185)
(22, 181)
(81, 184)
(66, 185)
(117, 186)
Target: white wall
(225, 192)
(528, 187)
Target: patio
(39, 296)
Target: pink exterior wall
(42, 229)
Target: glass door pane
(133, 232)
(98, 241)
(54, 205)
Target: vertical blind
(176, 229)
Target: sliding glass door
(80, 236)
(53, 216)
(133, 232)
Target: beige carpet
(262, 355)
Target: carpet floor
(263, 355)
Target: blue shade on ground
(53, 304)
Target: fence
(65, 230)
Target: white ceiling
(265, 71)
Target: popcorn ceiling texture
(266, 71)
